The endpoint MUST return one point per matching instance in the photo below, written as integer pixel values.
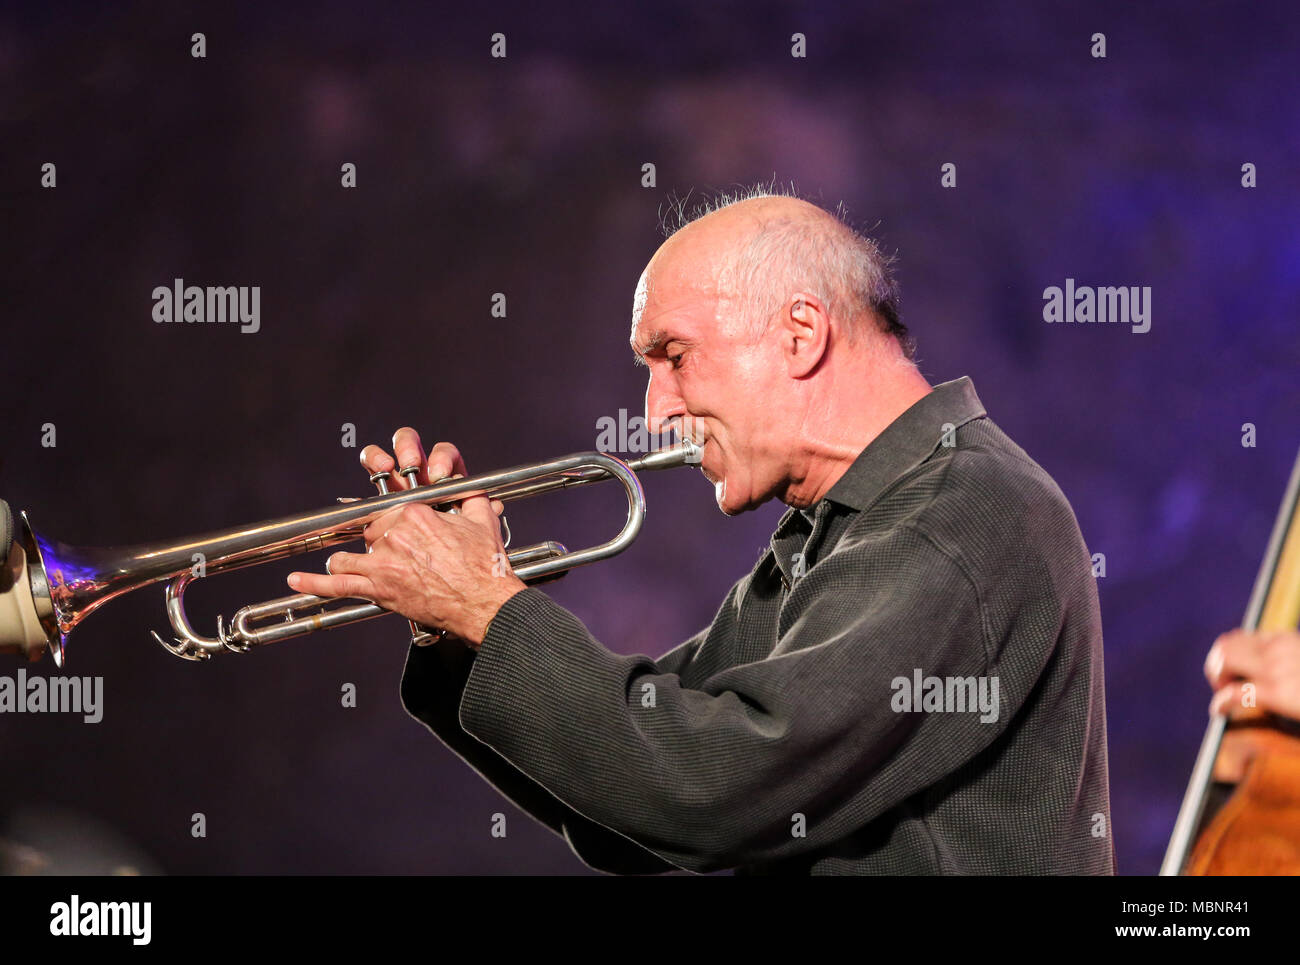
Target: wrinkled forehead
(679, 281)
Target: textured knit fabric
(778, 739)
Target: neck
(844, 413)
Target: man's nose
(662, 404)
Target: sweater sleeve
(431, 691)
(762, 760)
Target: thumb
(1225, 700)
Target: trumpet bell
(48, 588)
(25, 627)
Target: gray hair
(828, 256)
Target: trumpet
(48, 588)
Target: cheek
(751, 375)
(739, 423)
(732, 393)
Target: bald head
(750, 254)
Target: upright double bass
(1241, 812)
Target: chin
(720, 497)
(720, 494)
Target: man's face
(718, 386)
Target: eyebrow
(640, 351)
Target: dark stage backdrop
(527, 175)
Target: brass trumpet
(47, 588)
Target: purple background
(523, 176)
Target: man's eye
(676, 360)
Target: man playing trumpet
(909, 681)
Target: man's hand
(444, 570)
(1269, 660)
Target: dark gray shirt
(830, 720)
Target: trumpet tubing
(48, 588)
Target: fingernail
(295, 581)
(1214, 660)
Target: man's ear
(805, 334)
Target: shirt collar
(907, 442)
(904, 444)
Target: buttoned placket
(805, 557)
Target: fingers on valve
(409, 452)
(374, 459)
(445, 460)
